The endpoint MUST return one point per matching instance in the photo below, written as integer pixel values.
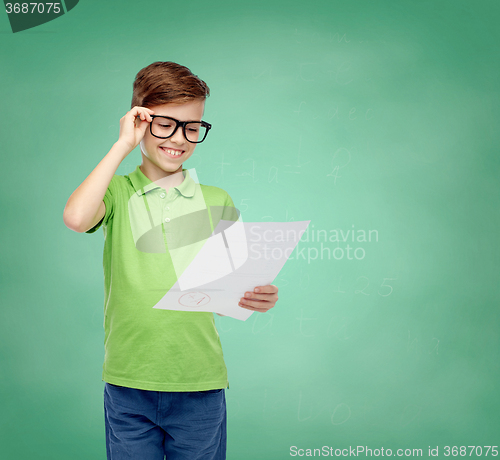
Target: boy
(164, 370)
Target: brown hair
(167, 82)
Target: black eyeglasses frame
(183, 125)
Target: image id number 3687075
(33, 8)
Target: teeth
(172, 152)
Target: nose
(178, 136)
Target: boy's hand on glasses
(133, 126)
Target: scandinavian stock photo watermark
(313, 244)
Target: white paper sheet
(237, 257)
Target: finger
(256, 303)
(143, 117)
(247, 307)
(142, 108)
(147, 115)
(144, 111)
(135, 116)
(245, 299)
(141, 112)
(269, 289)
(253, 296)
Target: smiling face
(158, 159)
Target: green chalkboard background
(357, 115)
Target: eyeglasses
(165, 127)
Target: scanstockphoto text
(365, 451)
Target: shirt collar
(142, 184)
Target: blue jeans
(149, 425)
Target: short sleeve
(230, 212)
(109, 201)
(229, 201)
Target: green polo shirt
(145, 347)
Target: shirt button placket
(163, 195)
